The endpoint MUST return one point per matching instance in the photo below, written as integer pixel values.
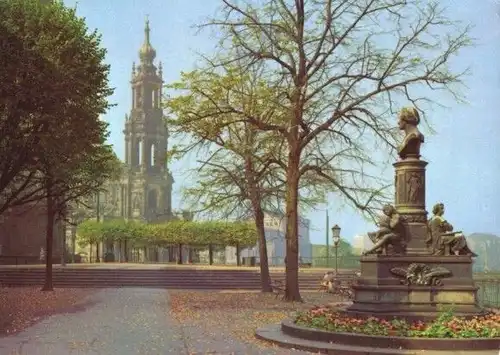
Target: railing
(489, 292)
(342, 262)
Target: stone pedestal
(414, 283)
(410, 201)
(380, 291)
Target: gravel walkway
(126, 321)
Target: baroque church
(145, 190)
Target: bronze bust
(408, 121)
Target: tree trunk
(171, 254)
(73, 244)
(265, 277)
(292, 292)
(63, 244)
(210, 254)
(125, 250)
(49, 238)
(238, 252)
(190, 255)
(179, 254)
(98, 218)
(253, 189)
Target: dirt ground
(238, 313)
(22, 306)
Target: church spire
(146, 31)
(147, 52)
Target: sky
(463, 154)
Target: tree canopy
(174, 232)
(54, 89)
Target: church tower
(147, 191)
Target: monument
(416, 265)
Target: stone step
(107, 282)
(145, 272)
(149, 277)
(241, 275)
(166, 278)
(91, 284)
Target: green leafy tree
(89, 232)
(66, 137)
(336, 70)
(239, 178)
(138, 234)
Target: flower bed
(445, 326)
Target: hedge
(175, 232)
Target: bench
(340, 285)
(278, 287)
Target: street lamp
(336, 241)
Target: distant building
(275, 229)
(487, 248)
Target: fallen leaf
(22, 306)
(237, 313)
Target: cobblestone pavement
(126, 321)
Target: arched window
(140, 147)
(138, 101)
(153, 154)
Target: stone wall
(23, 230)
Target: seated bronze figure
(390, 237)
(441, 240)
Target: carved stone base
(410, 201)
(414, 286)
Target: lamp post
(98, 219)
(327, 237)
(336, 241)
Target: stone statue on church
(408, 121)
(137, 201)
(441, 239)
(391, 235)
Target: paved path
(127, 321)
